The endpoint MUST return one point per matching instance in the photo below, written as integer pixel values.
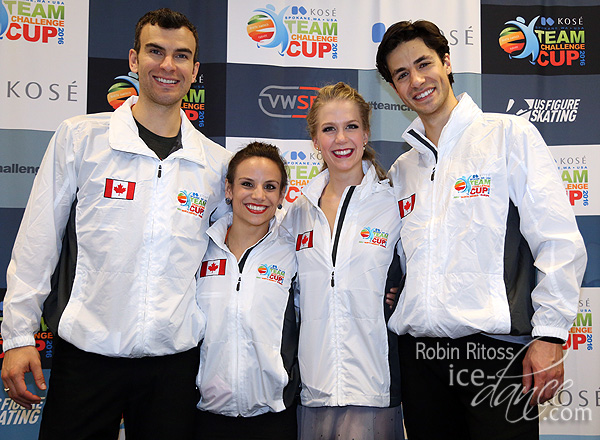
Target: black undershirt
(162, 146)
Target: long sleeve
(549, 226)
(38, 243)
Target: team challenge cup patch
(474, 185)
(271, 272)
(192, 203)
(373, 236)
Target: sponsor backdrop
(262, 63)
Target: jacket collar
(369, 184)
(218, 231)
(123, 136)
(461, 117)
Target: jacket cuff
(551, 340)
(16, 342)
(540, 332)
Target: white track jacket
(140, 225)
(248, 356)
(455, 237)
(343, 352)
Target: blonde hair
(343, 92)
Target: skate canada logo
(191, 203)
(41, 22)
(374, 236)
(472, 186)
(271, 273)
(295, 31)
(545, 41)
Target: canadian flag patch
(213, 267)
(304, 241)
(407, 205)
(119, 189)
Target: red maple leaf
(305, 239)
(407, 206)
(119, 189)
(213, 267)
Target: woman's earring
(279, 206)
(227, 201)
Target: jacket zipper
(336, 241)
(241, 264)
(426, 143)
(338, 231)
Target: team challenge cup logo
(268, 29)
(123, 87)
(191, 203)
(307, 33)
(374, 236)
(472, 186)
(271, 273)
(33, 22)
(3, 19)
(545, 41)
(518, 40)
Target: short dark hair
(258, 149)
(404, 31)
(167, 19)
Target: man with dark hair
(137, 186)
(166, 19)
(483, 206)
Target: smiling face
(255, 192)
(341, 136)
(164, 64)
(420, 79)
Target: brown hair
(166, 19)
(258, 149)
(404, 31)
(343, 92)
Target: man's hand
(390, 297)
(17, 362)
(543, 367)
